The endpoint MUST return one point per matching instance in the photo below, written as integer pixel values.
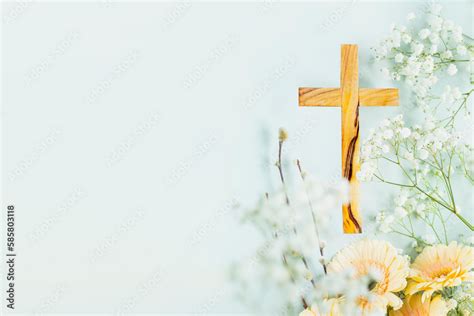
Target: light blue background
(129, 129)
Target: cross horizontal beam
(332, 97)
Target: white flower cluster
(381, 142)
(426, 156)
(416, 149)
(283, 209)
(462, 301)
(407, 203)
(289, 255)
(432, 155)
(419, 56)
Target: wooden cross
(349, 96)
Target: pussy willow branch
(280, 169)
(285, 263)
(313, 216)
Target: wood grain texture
(349, 96)
(378, 97)
(350, 135)
(332, 97)
(319, 96)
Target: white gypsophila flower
(383, 222)
(452, 70)
(448, 25)
(417, 48)
(367, 171)
(421, 210)
(385, 227)
(396, 38)
(461, 50)
(401, 198)
(406, 38)
(405, 132)
(428, 155)
(428, 64)
(424, 33)
(434, 39)
(400, 212)
(457, 35)
(388, 134)
(451, 94)
(409, 156)
(399, 58)
(435, 22)
(289, 223)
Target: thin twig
(316, 229)
(285, 263)
(280, 169)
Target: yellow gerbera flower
(366, 256)
(332, 305)
(413, 306)
(440, 266)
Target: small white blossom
(428, 65)
(424, 33)
(436, 23)
(417, 48)
(399, 58)
(452, 70)
(409, 156)
(400, 212)
(461, 49)
(406, 38)
(388, 134)
(423, 154)
(405, 132)
(457, 34)
(448, 25)
(447, 54)
(434, 38)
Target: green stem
(465, 221)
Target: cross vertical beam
(350, 135)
